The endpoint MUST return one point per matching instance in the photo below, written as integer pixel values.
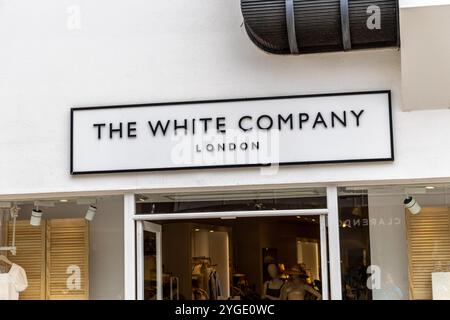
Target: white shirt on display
(12, 283)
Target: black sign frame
(391, 158)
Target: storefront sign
(348, 127)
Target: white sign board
(348, 127)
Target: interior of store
(253, 258)
(276, 258)
(65, 248)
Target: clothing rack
(14, 211)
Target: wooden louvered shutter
(67, 258)
(30, 255)
(428, 248)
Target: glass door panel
(149, 261)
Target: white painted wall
(425, 34)
(107, 251)
(138, 51)
(421, 3)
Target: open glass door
(149, 261)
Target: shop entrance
(278, 254)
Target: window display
(64, 251)
(297, 287)
(272, 288)
(395, 242)
(233, 259)
(13, 280)
(273, 249)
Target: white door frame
(143, 223)
(329, 217)
(334, 247)
(229, 214)
(141, 227)
(324, 257)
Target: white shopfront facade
(58, 55)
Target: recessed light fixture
(63, 200)
(211, 231)
(196, 230)
(299, 217)
(430, 187)
(44, 203)
(142, 198)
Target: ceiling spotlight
(356, 211)
(63, 200)
(196, 230)
(412, 205)
(142, 198)
(90, 213)
(429, 187)
(36, 217)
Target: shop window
(395, 242)
(62, 248)
(263, 256)
(428, 235)
(49, 253)
(249, 259)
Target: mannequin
(272, 288)
(297, 287)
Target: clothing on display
(274, 293)
(272, 288)
(13, 282)
(205, 280)
(297, 287)
(215, 287)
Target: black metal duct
(311, 26)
